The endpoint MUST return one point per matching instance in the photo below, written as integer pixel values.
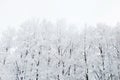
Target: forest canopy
(58, 51)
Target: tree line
(56, 51)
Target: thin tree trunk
(85, 59)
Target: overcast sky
(14, 12)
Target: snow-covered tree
(55, 51)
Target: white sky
(14, 12)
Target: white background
(79, 12)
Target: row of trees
(46, 51)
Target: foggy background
(78, 12)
